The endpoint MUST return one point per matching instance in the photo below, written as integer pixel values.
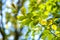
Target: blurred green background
(29, 19)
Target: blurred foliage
(41, 14)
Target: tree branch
(19, 5)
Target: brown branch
(19, 5)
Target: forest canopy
(41, 17)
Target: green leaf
(20, 18)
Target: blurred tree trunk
(20, 3)
(2, 30)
